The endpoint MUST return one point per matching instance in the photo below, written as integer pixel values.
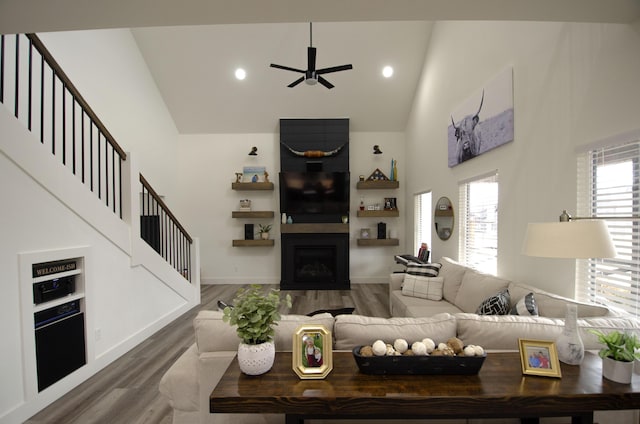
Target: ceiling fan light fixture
(311, 81)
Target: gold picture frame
(312, 357)
(539, 357)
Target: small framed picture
(539, 357)
(312, 357)
(364, 233)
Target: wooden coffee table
(499, 390)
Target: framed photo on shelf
(312, 357)
(253, 174)
(539, 357)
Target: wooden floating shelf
(253, 243)
(314, 228)
(379, 214)
(377, 185)
(252, 214)
(252, 186)
(379, 242)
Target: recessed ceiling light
(387, 71)
(240, 74)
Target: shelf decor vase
(256, 359)
(264, 236)
(618, 371)
(569, 343)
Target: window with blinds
(479, 223)
(609, 186)
(422, 220)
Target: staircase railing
(39, 93)
(162, 231)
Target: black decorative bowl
(418, 365)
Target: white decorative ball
(430, 344)
(479, 350)
(442, 346)
(400, 345)
(470, 351)
(379, 348)
(419, 348)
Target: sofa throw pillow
(498, 304)
(525, 306)
(424, 270)
(423, 287)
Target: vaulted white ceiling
(192, 48)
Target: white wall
(573, 84)
(130, 291)
(110, 73)
(206, 168)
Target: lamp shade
(575, 239)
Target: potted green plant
(255, 314)
(264, 231)
(618, 355)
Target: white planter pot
(264, 236)
(256, 359)
(618, 371)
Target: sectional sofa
(189, 381)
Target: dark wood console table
(499, 390)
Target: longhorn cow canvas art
(483, 121)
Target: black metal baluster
(73, 134)
(53, 112)
(91, 155)
(42, 99)
(99, 168)
(1, 68)
(30, 101)
(64, 124)
(17, 74)
(82, 141)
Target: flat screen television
(314, 193)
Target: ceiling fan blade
(311, 59)
(287, 68)
(324, 82)
(334, 69)
(296, 82)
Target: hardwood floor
(127, 390)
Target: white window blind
(478, 247)
(609, 186)
(422, 220)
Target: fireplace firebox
(315, 261)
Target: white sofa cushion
(553, 305)
(356, 330)
(476, 287)
(423, 287)
(213, 334)
(405, 306)
(452, 273)
(503, 331)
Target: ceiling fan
(312, 75)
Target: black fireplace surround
(315, 256)
(315, 261)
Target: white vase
(256, 359)
(569, 343)
(618, 371)
(264, 236)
